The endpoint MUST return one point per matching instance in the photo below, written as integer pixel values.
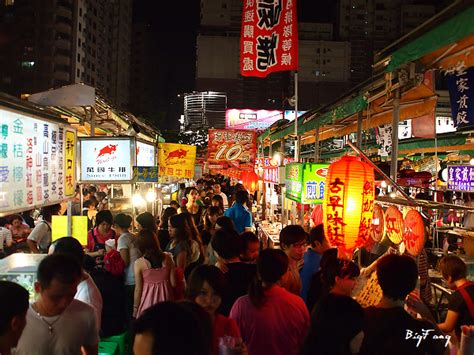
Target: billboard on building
(251, 119)
(232, 148)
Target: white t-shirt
(5, 237)
(224, 198)
(125, 241)
(88, 293)
(75, 327)
(41, 234)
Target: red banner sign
(269, 37)
(232, 148)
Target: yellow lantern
(348, 203)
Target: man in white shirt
(6, 239)
(57, 323)
(218, 191)
(87, 290)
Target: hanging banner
(294, 181)
(32, 162)
(145, 174)
(107, 159)
(269, 37)
(461, 178)
(461, 94)
(314, 181)
(232, 148)
(176, 160)
(146, 155)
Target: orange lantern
(378, 224)
(250, 180)
(414, 232)
(394, 224)
(348, 203)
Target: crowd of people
(196, 280)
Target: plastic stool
(120, 340)
(108, 348)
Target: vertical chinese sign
(176, 160)
(69, 163)
(269, 37)
(294, 181)
(228, 148)
(32, 162)
(461, 93)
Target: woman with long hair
(154, 274)
(198, 254)
(206, 286)
(271, 319)
(209, 226)
(163, 233)
(336, 327)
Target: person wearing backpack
(39, 239)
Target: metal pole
(359, 129)
(69, 219)
(92, 121)
(316, 145)
(297, 139)
(395, 121)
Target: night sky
(175, 25)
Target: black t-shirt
(392, 331)
(458, 305)
(239, 276)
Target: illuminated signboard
(314, 181)
(461, 178)
(251, 119)
(107, 159)
(146, 155)
(36, 164)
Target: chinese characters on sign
(32, 162)
(314, 181)
(232, 148)
(69, 162)
(176, 160)
(251, 119)
(145, 154)
(461, 178)
(107, 160)
(145, 174)
(294, 181)
(461, 94)
(269, 37)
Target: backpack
(114, 263)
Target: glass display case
(21, 268)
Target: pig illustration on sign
(108, 149)
(178, 154)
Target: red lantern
(250, 180)
(378, 224)
(394, 224)
(348, 203)
(414, 232)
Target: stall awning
(446, 34)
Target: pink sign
(251, 119)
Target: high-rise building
(51, 43)
(371, 25)
(323, 63)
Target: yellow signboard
(79, 228)
(69, 163)
(176, 160)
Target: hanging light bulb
(151, 195)
(138, 200)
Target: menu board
(461, 178)
(107, 159)
(146, 155)
(294, 181)
(36, 161)
(314, 181)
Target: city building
(48, 44)
(371, 25)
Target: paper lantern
(348, 203)
(394, 224)
(378, 224)
(414, 232)
(250, 180)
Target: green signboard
(294, 181)
(314, 180)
